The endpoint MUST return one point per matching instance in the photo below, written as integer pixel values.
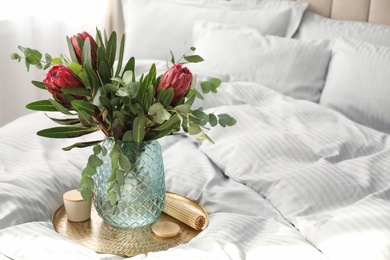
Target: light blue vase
(142, 196)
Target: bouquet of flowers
(97, 94)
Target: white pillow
(292, 67)
(155, 27)
(358, 83)
(314, 26)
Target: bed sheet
(292, 180)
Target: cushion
(358, 83)
(289, 66)
(314, 26)
(153, 28)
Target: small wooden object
(166, 229)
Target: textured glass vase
(142, 196)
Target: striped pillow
(358, 83)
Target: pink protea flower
(78, 50)
(59, 77)
(179, 78)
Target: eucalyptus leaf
(124, 163)
(94, 161)
(194, 129)
(213, 120)
(183, 108)
(226, 120)
(112, 176)
(112, 198)
(193, 58)
(210, 85)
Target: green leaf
(205, 137)
(106, 103)
(111, 48)
(128, 136)
(128, 77)
(210, 85)
(167, 127)
(65, 121)
(33, 56)
(165, 96)
(110, 88)
(77, 91)
(81, 105)
(39, 84)
(86, 57)
(183, 108)
(81, 145)
(213, 120)
(201, 117)
(162, 115)
(86, 119)
(97, 149)
(111, 197)
(112, 176)
(66, 132)
(94, 161)
(120, 58)
(130, 65)
(86, 194)
(92, 78)
(60, 107)
(41, 105)
(154, 108)
(88, 171)
(72, 53)
(194, 129)
(193, 58)
(172, 57)
(104, 73)
(124, 163)
(226, 120)
(139, 128)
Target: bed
(305, 172)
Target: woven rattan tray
(103, 238)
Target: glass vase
(141, 198)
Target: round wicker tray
(103, 238)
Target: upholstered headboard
(373, 11)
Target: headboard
(373, 11)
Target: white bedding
(292, 180)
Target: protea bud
(78, 49)
(179, 78)
(59, 77)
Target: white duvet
(291, 180)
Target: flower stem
(98, 120)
